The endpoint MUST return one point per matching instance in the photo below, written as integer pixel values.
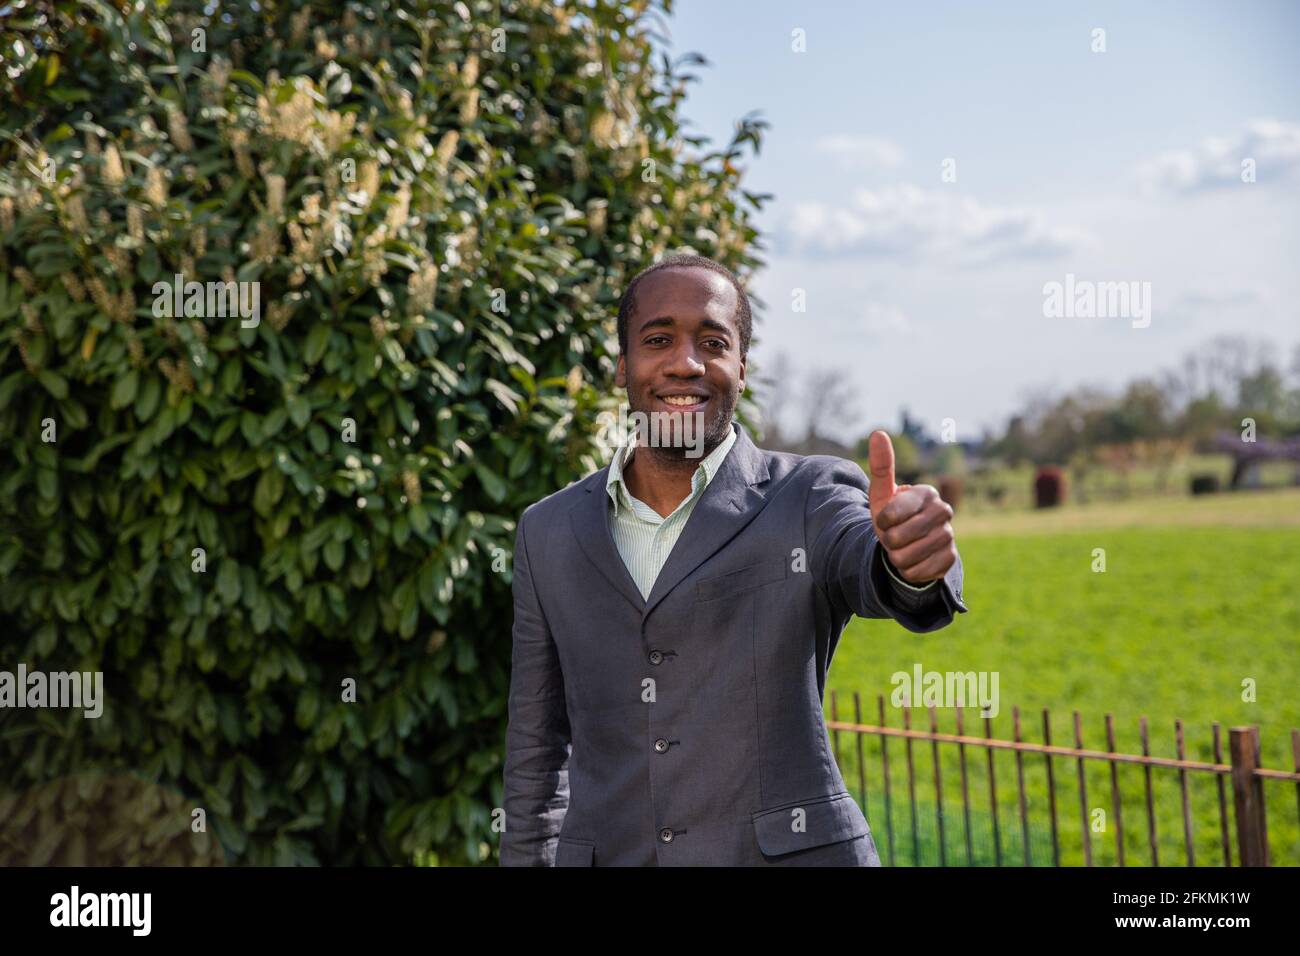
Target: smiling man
(676, 615)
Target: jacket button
(656, 657)
(666, 835)
(661, 745)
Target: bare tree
(776, 388)
(830, 400)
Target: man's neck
(661, 477)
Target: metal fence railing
(985, 831)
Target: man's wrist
(897, 578)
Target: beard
(683, 439)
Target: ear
(742, 375)
(620, 373)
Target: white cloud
(861, 152)
(909, 221)
(1227, 298)
(1217, 162)
(880, 319)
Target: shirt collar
(614, 484)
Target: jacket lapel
(590, 522)
(730, 502)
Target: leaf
(392, 350)
(9, 558)
(406, 415)
(299, 411)
(194, 474)
(61, 94)
(231, 371)
(244, 76)
(504, 394)
(317, 340)
(273, 422)
(11, 383)
(320, 441)
(420, 518)
(520, 460)
(316, 536)
(123, 392)
(47, 483)
(251, 427)
(224, 431)
(56, 385)
(146, 403)
(492, 483)
(270, 487)
(75, 413)
(333, 555)
(228, 585)
(410, 618)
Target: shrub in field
(1049, 487)
(950, 491)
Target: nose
(684, 361)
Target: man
(675, 617)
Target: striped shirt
(644, 537)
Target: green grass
(1187, 608)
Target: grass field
(1198, 595)
(1139, 483)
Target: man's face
(683, 352)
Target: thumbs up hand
(911, 521)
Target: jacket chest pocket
(741, 580)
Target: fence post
(1248, 797)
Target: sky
(935, 166)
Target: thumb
(881, 464)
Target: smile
(686, 402)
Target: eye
(656, 338)
(719, 344)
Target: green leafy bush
(440, 204)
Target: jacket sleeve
(536, 792)
(848, 563)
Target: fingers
(916, 531)
(908, 500)
(932, 568)
(934, 541)
(934, 515)
(880, 461)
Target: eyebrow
(667, 321)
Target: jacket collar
(732, 499)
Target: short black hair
(627, 305)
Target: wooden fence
(1243, 774)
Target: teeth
(682, 399)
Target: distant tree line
(1157, 418)
(1214, 388)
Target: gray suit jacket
(688, 729)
